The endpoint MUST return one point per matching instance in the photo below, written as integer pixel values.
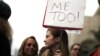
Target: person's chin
(46, 46)
(30, 53)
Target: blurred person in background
(5, 29)
(75, 50)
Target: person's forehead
(30, 40)
(77, 46)
(48, 33)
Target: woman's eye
(46, 36)
(34, 45)
(57, 51)
(28, 44)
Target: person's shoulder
(42, 50)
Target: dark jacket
(4, 45)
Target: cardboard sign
(68, 14)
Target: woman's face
(49, 40)
(75, 51)
(30, 47)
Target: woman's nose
(44, 40)
(31, 46)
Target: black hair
(5, 10)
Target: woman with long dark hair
(56, 43)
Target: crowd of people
(56, 40)
(56, 44)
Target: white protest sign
(65, 14)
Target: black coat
(4, 45)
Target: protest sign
(68, 14)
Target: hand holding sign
(64, 14)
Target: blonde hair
(21, 50)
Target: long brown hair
(21, 50)
(62, 34)
(6, 29)
(5, 13)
